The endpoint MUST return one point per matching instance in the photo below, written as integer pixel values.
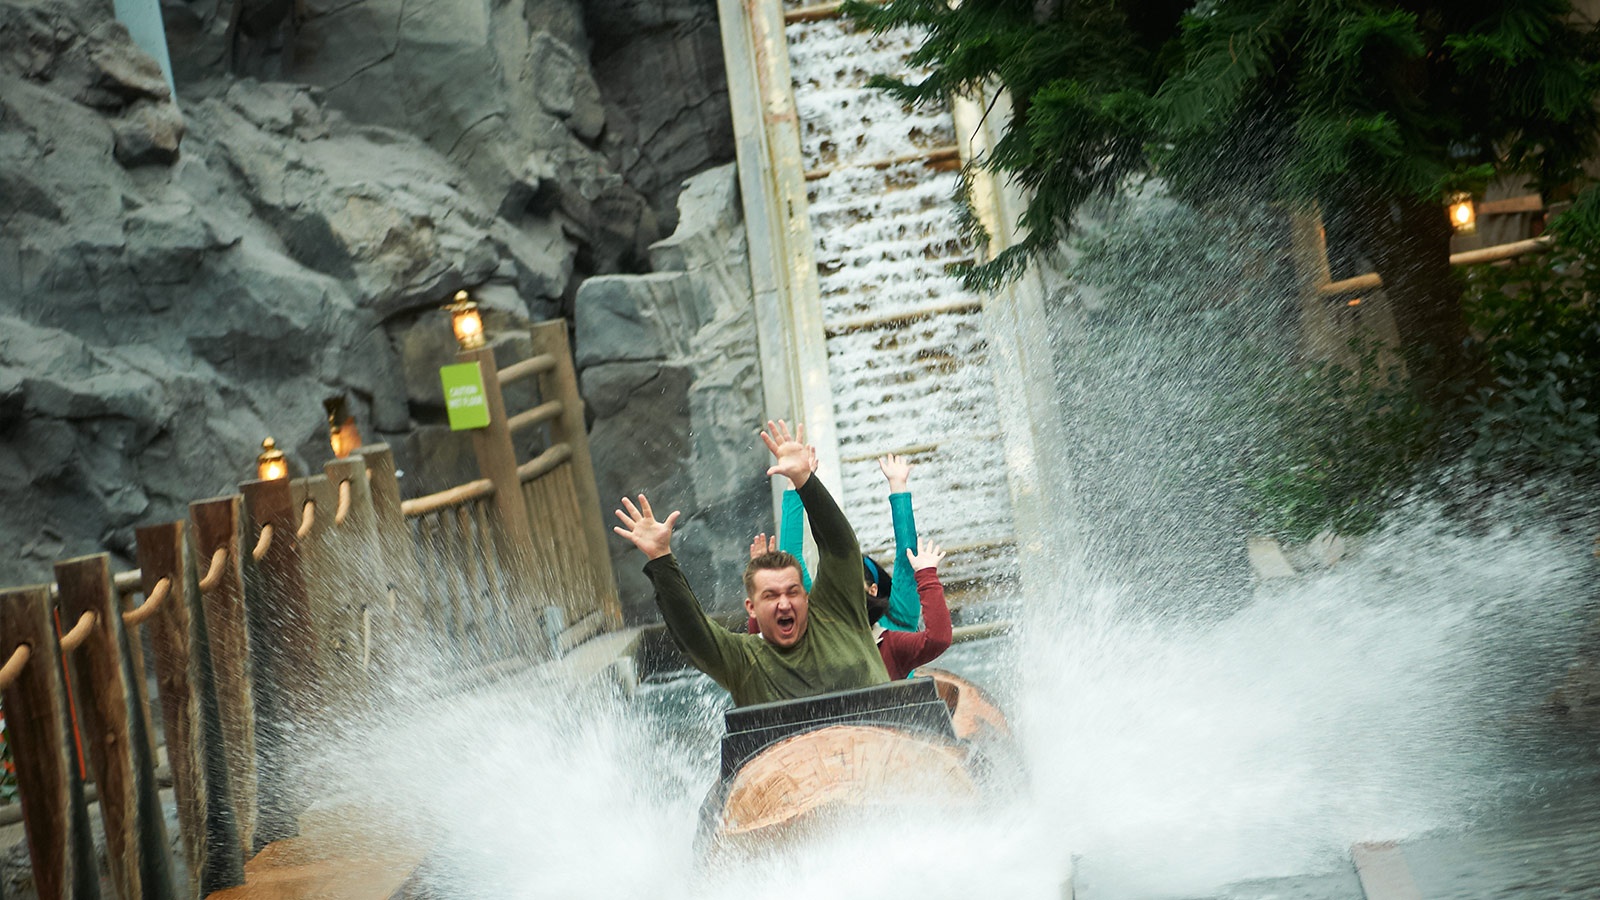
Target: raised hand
(763, 544)
(897, 469)
(792, 459)
(928, 555)
(652, 537)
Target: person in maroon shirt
(903, 651)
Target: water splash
(1169, 753)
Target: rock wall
(178, 281)
(669, 368)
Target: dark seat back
(912, 704)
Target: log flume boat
(790, 767)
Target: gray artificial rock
(659, 67)
(148, 133)
(157, 322)
(670, 374)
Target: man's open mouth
(785, 621)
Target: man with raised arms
(810, 642)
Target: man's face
(778, 603)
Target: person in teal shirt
(899, 589)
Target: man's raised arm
(792, 459)
(707, 645)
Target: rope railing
(151, 603)
(80, 632)
(14, 666)
(213, 576)
(263, 543)
(533, 365)
(544, 412)
(343, 509)
(308, 518)
(462, 493)
(544, 463)
(1373, 281)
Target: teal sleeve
(792, 532)
(905, 606)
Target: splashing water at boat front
(1383, 698)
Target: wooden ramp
(324, 867)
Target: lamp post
(466, 321)
(271, 464)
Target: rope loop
(263, 543)
(344, 503)
(15, 665)
(308, 518)
(80, 632)
(148, 608)
(213, 576)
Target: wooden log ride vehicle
(788, 767)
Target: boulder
(658, 64)
(671, 377)
(164, 313)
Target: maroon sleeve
(905, 650)
(751, 627)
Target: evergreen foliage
(1382, 108)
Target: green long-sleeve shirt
(837, 651)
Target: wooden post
(403, 620)
(356, 560)
(562, 382)
(324, 579)
(283, 649)
(193, 729)
(497, 456)
(216, 524)
(115, 729)
(39, 729)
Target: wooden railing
(275, 613)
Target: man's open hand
(653, 538)
(763, 545)
(928, 555)
(792, 456)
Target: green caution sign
(464, 398)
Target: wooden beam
(189, 712)
(216, 524)
(55, 815)
(1511, 205)
(461, 493)
(862, 323)
(537, 364)
(1373, 281)
(116, 730)
(283, 649)
(933, 156)
(561, 383)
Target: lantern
(342, 431)
(466, 322)
(1463, 214)
(271, 464)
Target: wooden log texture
(360, 562)
(404, 623)
(971, 709)
(115, 730)
(283, 650)
(216, 523)
(39, 729)
(192, 727)
(561, 383)
(840, 769)
(497, 461)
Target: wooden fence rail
(276, 613)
